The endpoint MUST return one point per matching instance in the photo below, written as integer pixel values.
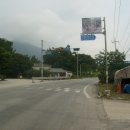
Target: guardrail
(49, 78)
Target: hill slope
(27, 49)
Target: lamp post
(42, 59)
(77, 49)
(80, 69)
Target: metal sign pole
(77, 49)
(93, 26)
(77, 65)
(42, 58)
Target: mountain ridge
(27, 49)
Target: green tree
(67, 60)
(6, 51)
(12, 63)
(115, 62)
(35, 60)
(7, 45)
(88, 64)
(20, 64)
(61, 59)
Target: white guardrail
(49, 78)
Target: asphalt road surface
(57, 105)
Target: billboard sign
(91, 25)
(88, 37)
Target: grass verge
(113, 94)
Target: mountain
(27, 49)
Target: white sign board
(91, 25)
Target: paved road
(60, 105)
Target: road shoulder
(117, 109)
(15, 82)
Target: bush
(32, 73)
(2, 77)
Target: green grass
(113, 94)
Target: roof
(39, 65)
(58, 70)
(123, 73)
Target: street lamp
(77, 49)
(42, 59)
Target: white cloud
(58, 22)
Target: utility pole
(42, 59)
(115, 43)
(77, 49)
(105, 38)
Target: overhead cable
(125, 31)
(114, 21)
(118, 20)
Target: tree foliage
(87, 63)
(115, 62)
(68, 60)
(61, 59)
(11, 63)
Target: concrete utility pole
(105, 38)
(42, 58)
(115, 43)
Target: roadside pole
(91, 26)
(76, 50)
(42, 59)
(77, 64)
(105, 38)
(80, 69)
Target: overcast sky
(59, 22)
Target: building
(39, 66)
(122, 77)
(60, 72)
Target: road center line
(48, 89)
(66, 89)
(77, 91)
(58, 89)
(85, 92)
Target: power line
(114, 21)
(115, 43)
(118, 20)
(124, 33)
(128, 36)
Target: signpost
(92, 26)
(88, 37)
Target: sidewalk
(117, 109)
(16, 82)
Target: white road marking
(85, 92)
(66, 89)
(58, 89)
(48, 89)
(40, 87)
(29, 88)
(77, 91)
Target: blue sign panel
(88, 37)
